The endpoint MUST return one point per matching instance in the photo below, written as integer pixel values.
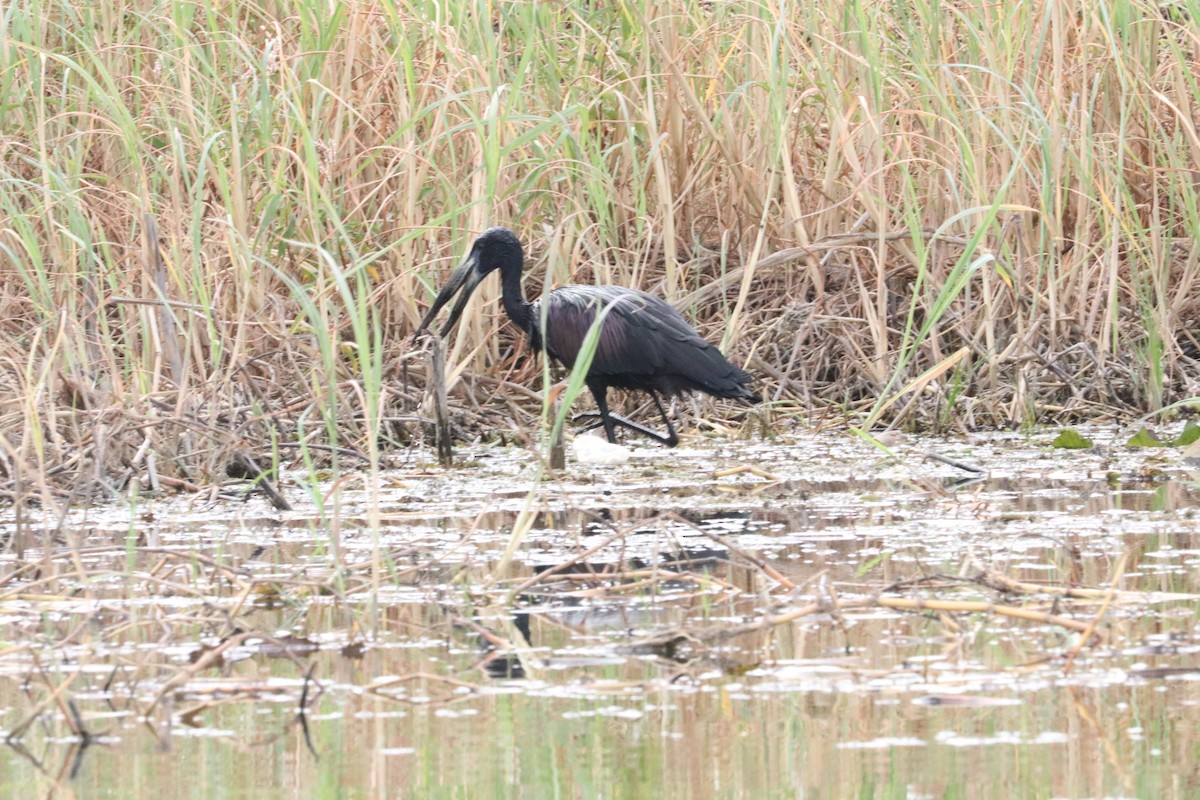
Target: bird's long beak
(466, 277)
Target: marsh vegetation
(220, 223)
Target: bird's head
(496, 248)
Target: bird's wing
(642, 336)
(569, 313)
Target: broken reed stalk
(558, 449)
(1117, 577)
(167, 339)
(242, 465)
(570, 562)
(769, 621)
(441, 409)
(55, 696)
(1002, 583)
(750, 558)
(205, 660)
(641, 581)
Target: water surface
(178, 637)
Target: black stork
(644, 343)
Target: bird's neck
(514, 299)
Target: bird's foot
(594, 421)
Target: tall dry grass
(918, 213)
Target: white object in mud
(590, 449)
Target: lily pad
(1070, 439)
(1189, 435)
(1144, 438)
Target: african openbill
(644, 343)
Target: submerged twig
(243, 466)
(541, 576)
(760, 564)
(950, 462)
(302, 711)
(769, 621)
(1118, 575)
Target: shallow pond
(807, 617)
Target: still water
(698, 623)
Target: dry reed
(999, 197)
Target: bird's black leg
(610, 420)
(596, 421)
(671, 439)
(600, 393)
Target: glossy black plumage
(644, 343)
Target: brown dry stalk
(206, 660)
(421, 677)
(724, 541)
(1118, 574)
(651, 579)
(54, 697)
(769, 621)
(1003, 583)
(566, 564)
